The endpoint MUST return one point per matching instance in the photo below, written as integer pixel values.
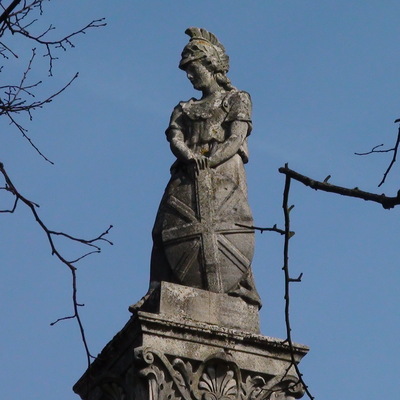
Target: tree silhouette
(20, 19)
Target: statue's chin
(197, 86)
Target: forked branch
(93, 244)
(16, 99)
(394, 149)
(19, 19)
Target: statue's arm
(178, 146)
(230, 147)
(176, 137)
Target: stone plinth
(176, 353)
(187, 303)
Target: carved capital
(216, 378)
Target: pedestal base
(178, 354)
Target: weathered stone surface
(163, 357)
(188, 303)
(200, 341)
(202, 234)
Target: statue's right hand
(200, 163)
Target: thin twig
(19, 18)
(14, 21)
(394, 149)
(13, 102)
(373, 150)
(257, 228)
(23, 132)
(12, 209)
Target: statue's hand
(200, 163)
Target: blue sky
(323, 77)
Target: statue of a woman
(200, 235)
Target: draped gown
(201, 236)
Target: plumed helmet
(204, 44)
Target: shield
(203, 239)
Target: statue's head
(204, 46)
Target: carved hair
(224, 81)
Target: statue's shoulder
(176, 120)
(183, 104)
(237, 95)
(200, 109)
(237, 104)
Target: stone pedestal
(190, 344)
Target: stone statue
(188, 338)
(200, 235)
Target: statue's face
(200, 77)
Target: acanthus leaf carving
(286, 387)
(184, 376)
(216, 378)
(254, 388)
(165, 381)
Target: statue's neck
(211, 96)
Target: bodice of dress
(205, 123)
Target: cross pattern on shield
(203, 243)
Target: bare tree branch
(385, 201)
(19, 19)
(288, 234)
(394, 149)
(8, 11)
(93, 243)
(62, 43)
(13, 21)
(288, 281)
(14, 100)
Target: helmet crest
(204, 44)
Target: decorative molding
(216, 378)
(218, 382)
(285, 387)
